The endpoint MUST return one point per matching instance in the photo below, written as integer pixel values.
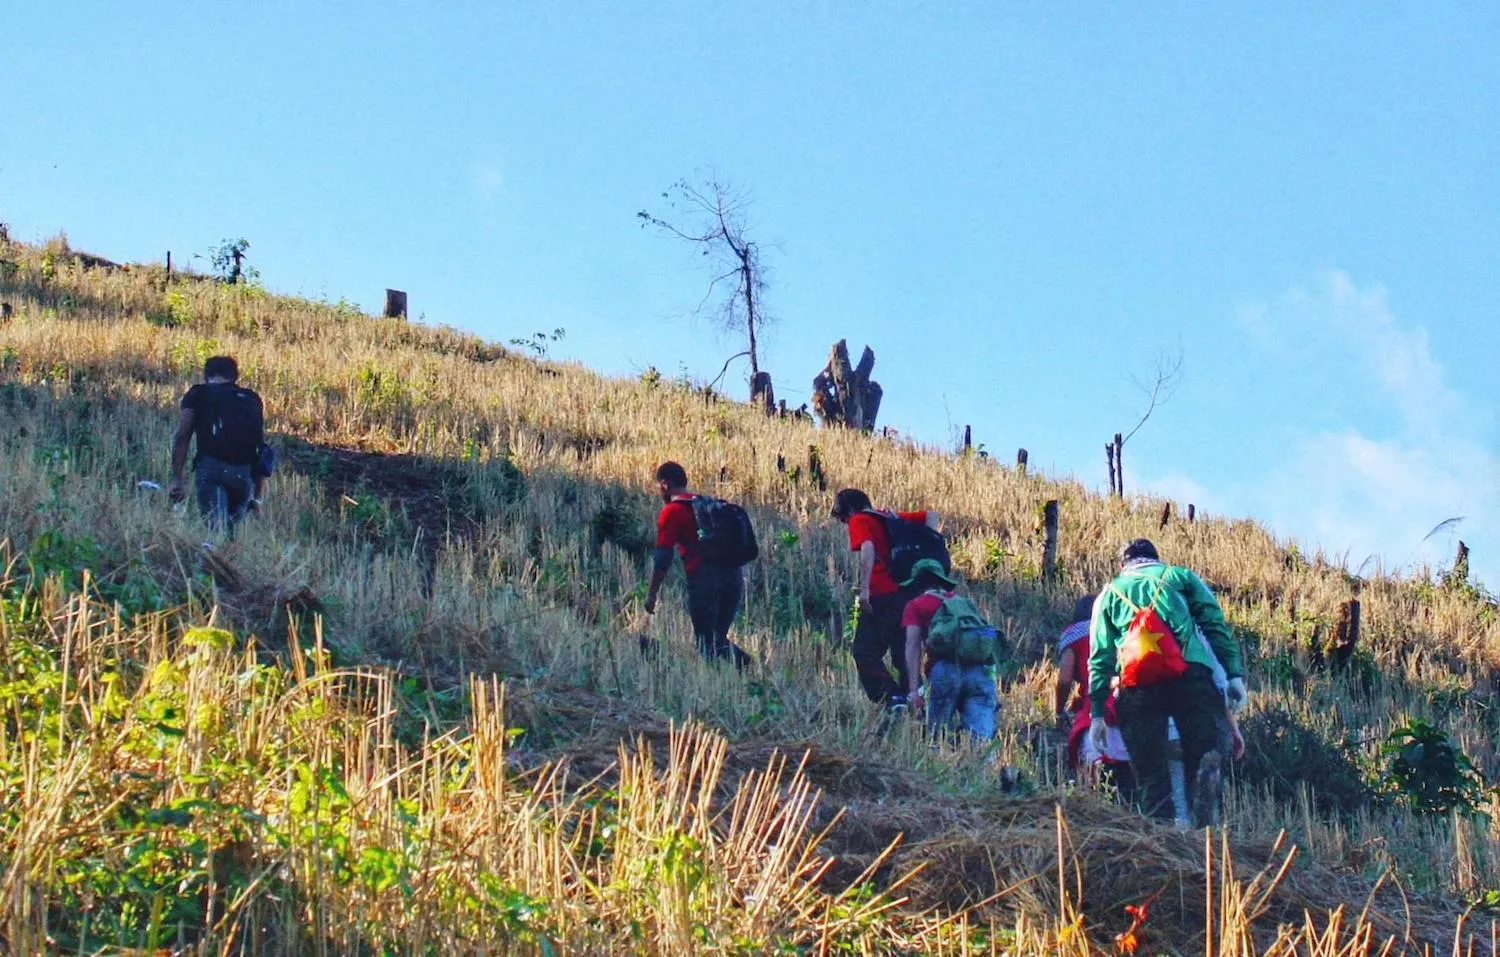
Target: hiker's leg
(943, 688)
(870, 648)
(238, 487)
(731, 592)
(1197, 708)
(891, 608)
(978, 707)
(703, 609)
(208, 487)
(1143, 724)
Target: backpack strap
(1161, 585)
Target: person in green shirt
(1192, 700)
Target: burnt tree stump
(844, 394)
(395, 304)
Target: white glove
(1235, 695)
(1099, 735)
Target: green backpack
(960, 633)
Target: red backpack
(1150, 652)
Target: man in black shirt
(228, 421)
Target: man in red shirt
(881, 597)
(714, 589)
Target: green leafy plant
(1427, 772)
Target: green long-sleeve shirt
(1187, 606)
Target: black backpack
(232, 429)
(910, 543)
(725, 535)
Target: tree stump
(762, 393)
(395, 304)
(844, 394)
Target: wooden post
(1460, 573)
(1166, 514)
(1021, 459)
(815, 468)
(169, 265)
(6, 311)
(1109, 455)
(968, 439)
(1346, 635)
(1192, 512)
(1049, 546)
(395, 304)
(1120, 464)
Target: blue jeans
(966, 689)
(223, 491)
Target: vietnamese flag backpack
(1150, 652)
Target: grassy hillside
(405, 711)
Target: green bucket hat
(930, 566)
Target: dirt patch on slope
(999, 855)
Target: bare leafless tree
(1160, 389)
(1158, 392)
(711, 215)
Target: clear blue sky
(1018, 206)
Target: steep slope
(450, 509)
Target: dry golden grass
(440, 568)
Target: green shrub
(1427, 772)
(1283, 754)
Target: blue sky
(1018, 206)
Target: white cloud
(489, 180)
(1378, 485)
(1400, 359)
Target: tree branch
(738, 355)
(1160, 392)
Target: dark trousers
(223, 491)
(714, 593)
(879, 634)
(1197, 707)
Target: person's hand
(650, 604)
(915, 701)
(1099, 735)
(863, 601)
(1236, 741)
(1235, 695)
(176, 492)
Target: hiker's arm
(934, 519)
(1103, 658)
(866, 569)
(914, 659)
(180, 442)
(661, 563)
(1210, 618)
(1067, 674)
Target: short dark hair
(848, 501)
(1140, 548)
(672, 473)
(1083, 609)
(221, 367)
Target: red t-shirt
(675, 526)
(919, 612)
(870, 527)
